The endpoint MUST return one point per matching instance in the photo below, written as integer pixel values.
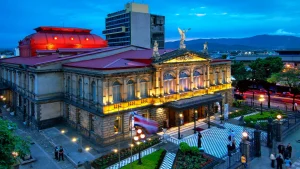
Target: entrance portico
(187, 110)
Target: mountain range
(259, 42)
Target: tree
(239, 71)
(10, 143)
(224, 56)
(288, 77)
(243, 86)
(262, 69)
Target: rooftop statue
(205, 47)
(155, 49)
(182, 37)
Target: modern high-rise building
(135, 26)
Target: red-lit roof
(62, 29)
(124, 60)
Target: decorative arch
(169, 75)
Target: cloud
(224, 13)
(202, 7)
(177, 14)
(200, 14)
(282, 32)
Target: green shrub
(184, 147)
(194, 150)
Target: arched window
(197, 79)
(184, 81)
(223, 77)
(116, 92)
(130, 90)
(144, 88)
(80, 88)
(94, 92)
(215, 77)
(169, 83)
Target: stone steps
(168, 161)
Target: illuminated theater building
(95, 90)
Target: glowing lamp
(136, 138)
(279, 117)
(143, 136)
(115, 150)
(4, 98)
(62, 131)
(72, 38)
(87, 149)
(180, 115)
(86, 39)
(74, 139)
(245, 134)
(139, 131)
(55, 38)
(131, 145)
(1, 97)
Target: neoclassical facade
(96, 91)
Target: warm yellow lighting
(143, 136)
(139, 131)
(149, 139)
(74, 139)
(87, 148)
(1, 97)
(15, 154)
(262, 96)
(288, 65)
(136, 138)
(131, 145)
(245, 134)
(138, 143)
(62, 131)
(180, 115)
(115, 150)
(4, 98)
(279, 117)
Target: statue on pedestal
(182, 37)
(205, 47)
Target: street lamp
(195, 117)
(138, 138)
(87, 149)
(179, 123)
(261, 99)
(245, 136)
(62, 131)
(79, 140)
(279, 117)
(15, 154)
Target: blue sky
(206, 18)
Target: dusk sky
(206, 18)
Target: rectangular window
(118, 125)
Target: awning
(195, 101)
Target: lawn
(149, 161)
(252, 119)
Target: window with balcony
(144, 88)
(80, 88)
(169, 83)
(94, 92)
(116, 92)
(184, 81)
(130, 90)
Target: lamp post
(131, 145)
(195, 117)
(138, 138)
(79, 140)
(179, 123)
(245, 146)
(261, 99)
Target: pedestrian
(61, 153)
(199, 139)
(288, 163)
(289, 148)
(272, 157)
(244, 160)
(56, 152)
(279, 161)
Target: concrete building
(135, 26)
(95, 91)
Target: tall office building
(135, 26)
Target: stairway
(168, 161)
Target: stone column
(137, 88)
(192, 79)
(157, 87)
(161, 83)
(177, 81)
(207, 77)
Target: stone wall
(50, 110)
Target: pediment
(181, 55)
(187, 57)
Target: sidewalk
(41, 150)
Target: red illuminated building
(53, 38)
